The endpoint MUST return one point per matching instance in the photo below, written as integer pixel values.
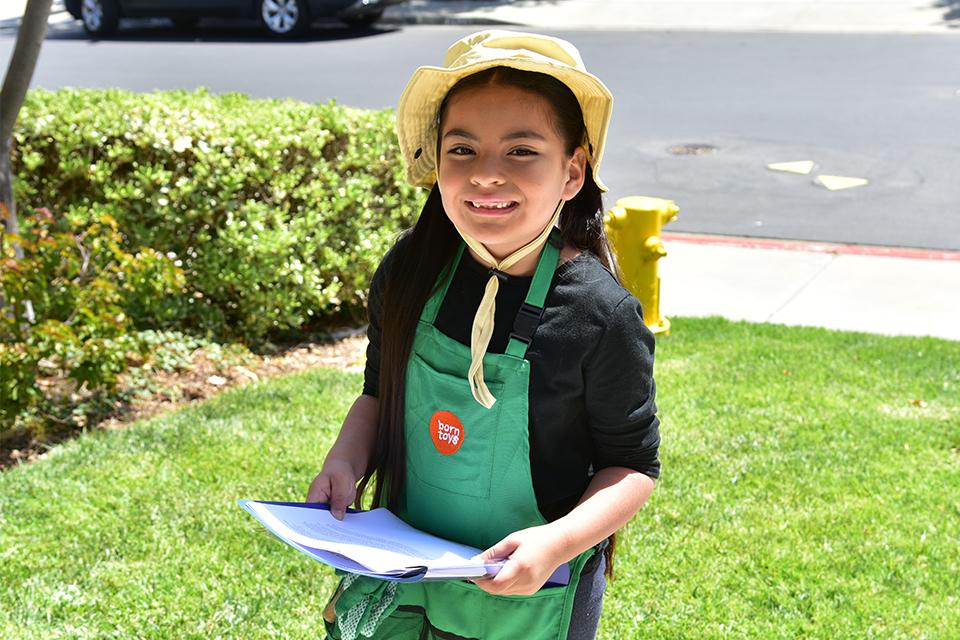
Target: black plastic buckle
(526, 322)
(501, 276)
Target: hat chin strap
(483, 320)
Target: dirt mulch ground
(203, 379)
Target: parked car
(278, 17)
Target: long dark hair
(427, 250)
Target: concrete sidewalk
(872, 289)
(815, 16)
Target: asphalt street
(698, 117)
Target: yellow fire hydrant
(633, 226)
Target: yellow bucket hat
(418, 110)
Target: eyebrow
(515, 135)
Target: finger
(504, 581)
(342, 494)
(490, 585)
(319, 489)
(500, 551)
(484, 583)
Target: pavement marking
(835, 183)
(803, 167)
(814, 247)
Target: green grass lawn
(810, 489)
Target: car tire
(364, 20)
(100, 17)
(284, 18)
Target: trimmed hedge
(277, 211)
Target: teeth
(497, 205)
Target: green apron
(468, 479)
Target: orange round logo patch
(446, 432)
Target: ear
(576, 168)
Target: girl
(508, 400)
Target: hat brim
(419, 104)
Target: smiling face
(504, 167)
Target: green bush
(278, 210)
(67, 305)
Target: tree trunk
(33, 29)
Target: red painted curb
(814, 247)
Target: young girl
(508, 400)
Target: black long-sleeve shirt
(591, 370)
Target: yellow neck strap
(483, 320)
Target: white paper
(370, 542)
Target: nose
(487, 171)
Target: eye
(460, 150)
(522, 151)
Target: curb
(813, 247)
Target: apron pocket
(450, 437)
(470, 611)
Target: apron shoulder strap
(531, 311)
(432, 307)
(528, 318)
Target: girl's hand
(336, 485)
(534, 554)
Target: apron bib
(467, 479)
